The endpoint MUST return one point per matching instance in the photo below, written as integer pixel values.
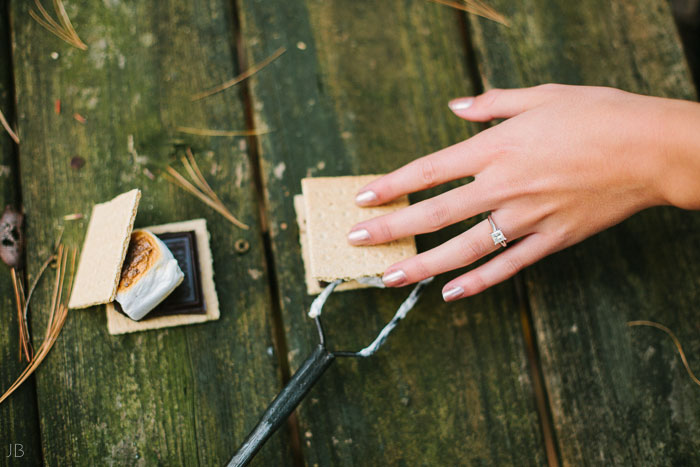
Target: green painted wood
(182, 396)
(18, 416)
(618, 395)
(363, 88)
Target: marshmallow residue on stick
(406, 306)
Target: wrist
(677, 178)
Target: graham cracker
(312, 286)
(104, 248)
(329, 205)
(117, 323)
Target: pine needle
(476, 7)
(174, 177)
(25, 342)
(65, 30)
(208, 132)
(245, 75)
(202, 190)
(675, 341)
(193, 169)
(8, 128)
(193, 176)
(57, 317)
(24, 346)
(35, 283)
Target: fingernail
(365, 197)
(452, 293)
(394, 278)
(463, 103)
(358, 236)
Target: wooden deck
(542, 369)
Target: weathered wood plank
(363, 89)
(18, 416)
(618, 395)
(181, 396)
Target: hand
(567, 163)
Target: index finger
(451, 163)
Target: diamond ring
(497, 236)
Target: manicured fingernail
(452, 293)
(394, 278)
(463, 103)
(365, 197)
(358, 236)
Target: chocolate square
(187, 298)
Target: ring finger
(457, 252)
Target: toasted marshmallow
(150, 273)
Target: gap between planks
(539, 388)
(6, 39)
(278, 335)
(15, 198)
(542, 404)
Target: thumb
(501, 103)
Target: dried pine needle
(480, 8)
(193, 176)
(44, 266)
(24, 345)
(61, 230)
(208, 132)
(476, 7)
(245, 75)
(175, 178)
(200, 188)
(193, 169)
(675, 341)
(8, 128)
(63, 29)
(57, 316)
(25, 342)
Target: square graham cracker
(330, 209)
(312, 286)
(104, 249)
(118, 323)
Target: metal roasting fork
(304, 379)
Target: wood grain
(363, 88)
(18, 416)
(618, 395)
(180, 396)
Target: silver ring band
(497, 236)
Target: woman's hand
(569, 162)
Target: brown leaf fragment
(11, 237)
